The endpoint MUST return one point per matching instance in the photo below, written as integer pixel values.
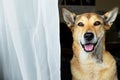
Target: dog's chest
(90, 67)
(92, 71)
(87, 71)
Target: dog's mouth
(89, 47)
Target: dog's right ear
(69, 17)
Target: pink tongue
(89, 47)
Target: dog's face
(89, 28)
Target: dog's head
(89, 28)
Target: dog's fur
(90, 59)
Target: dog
(90, 59)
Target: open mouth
(89, 47)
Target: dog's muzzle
(89, 42)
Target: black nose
(88, 36)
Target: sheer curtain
(29, 40)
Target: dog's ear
(110, 17)
(69, 17)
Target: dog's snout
(88, 36)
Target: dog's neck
(100, 50)
(98, 53)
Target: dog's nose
(88, 36)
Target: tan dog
(90, 59)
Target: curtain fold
(29, 40)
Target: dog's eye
(97, 23)
(80, 24)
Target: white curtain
(29, 40)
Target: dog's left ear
(110, 17)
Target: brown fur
(96, 65)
